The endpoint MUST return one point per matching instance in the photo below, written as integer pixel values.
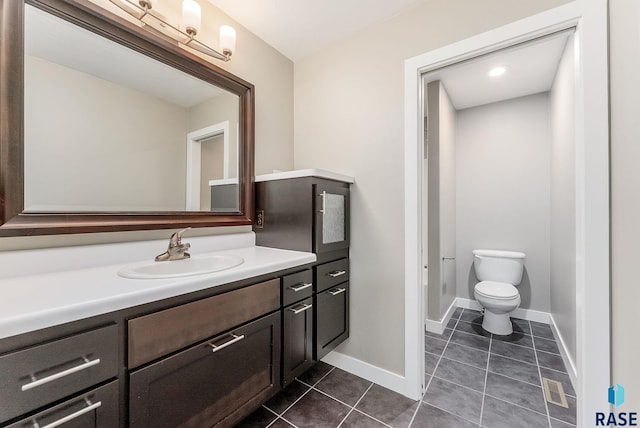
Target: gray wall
(503, 194)
(625, 204)
(441, 226)
(349, 118)
(563, 199)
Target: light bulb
(498, 71)
(227, 39)
(191, 16)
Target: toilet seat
(496, 290)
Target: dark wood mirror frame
(13, 221)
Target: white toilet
(499, 272)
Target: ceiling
(530, 69)
(66, 44)
(299, 28)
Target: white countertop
(320, 173)
(32, 302)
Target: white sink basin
(180, 268)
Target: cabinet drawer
(330, 274)
(332, 319)
(33, 377)
(214, 383)
(297, 287)
(155, 335)
(94, 409)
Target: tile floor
(473, 378)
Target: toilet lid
(496, 290)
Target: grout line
(544, 398)
(446, 411)
(457, 384)
(560, 420)
(271, 411)
(440, 358)
(354, 406)
(513, 378)
(305, 393)
(514, 359)
(369, 416)
(486, 376)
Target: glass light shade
(191, 15)
(227, 38)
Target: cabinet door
(332, 217)
(332, 319)
(214, 383)
(94, 409)
(298, 340)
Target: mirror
(122, 129)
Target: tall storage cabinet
(309, 211)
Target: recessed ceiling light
(497, 71)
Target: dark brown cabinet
(310, 214)
(95, 409)
(297, 349)
(214, 383)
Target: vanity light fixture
(143, 11)
(498, 71)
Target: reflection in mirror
(107, 129)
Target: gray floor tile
(516, 392)
(470, 340)
(280, 423)
(433, 345)
(546, 345)
(444, 336)
(456, 313)
(455, 399)
(559, 424)
(315, 373)
(472, 328)
(462, 374)
(430, 361)
(258, 419)
(563, 378)
(514, 369)
(513, 351)
(475, 357)
(500, 414)
(542, 330)
(431, 417)
(360, 420)
(452, 323)
(344, 386)
(286, 397)
(551, 361)
(471, 316)
(563, 414)
(520, 325)
(517, 339)
(387, 406)
(316, 410)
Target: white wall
(563, 199)
(349, 118)
(625, 204)
(441, 195)
(110, 157)
(503, 195)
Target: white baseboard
(439, 326)
(527, 314)
(566, 357)
(389, 380)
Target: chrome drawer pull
(300, 286)
(300, 310)
(337, 291)
(337, 273)
(86, 365)
(216, 348)
(72, 415)
(324, 202)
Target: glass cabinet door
(332, 217)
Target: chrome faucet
(177, 250)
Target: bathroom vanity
(203, 350)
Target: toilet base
(499, 324)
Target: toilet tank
(498, 265)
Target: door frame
(590, 18)
(194, 155)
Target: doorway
(592, 247)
